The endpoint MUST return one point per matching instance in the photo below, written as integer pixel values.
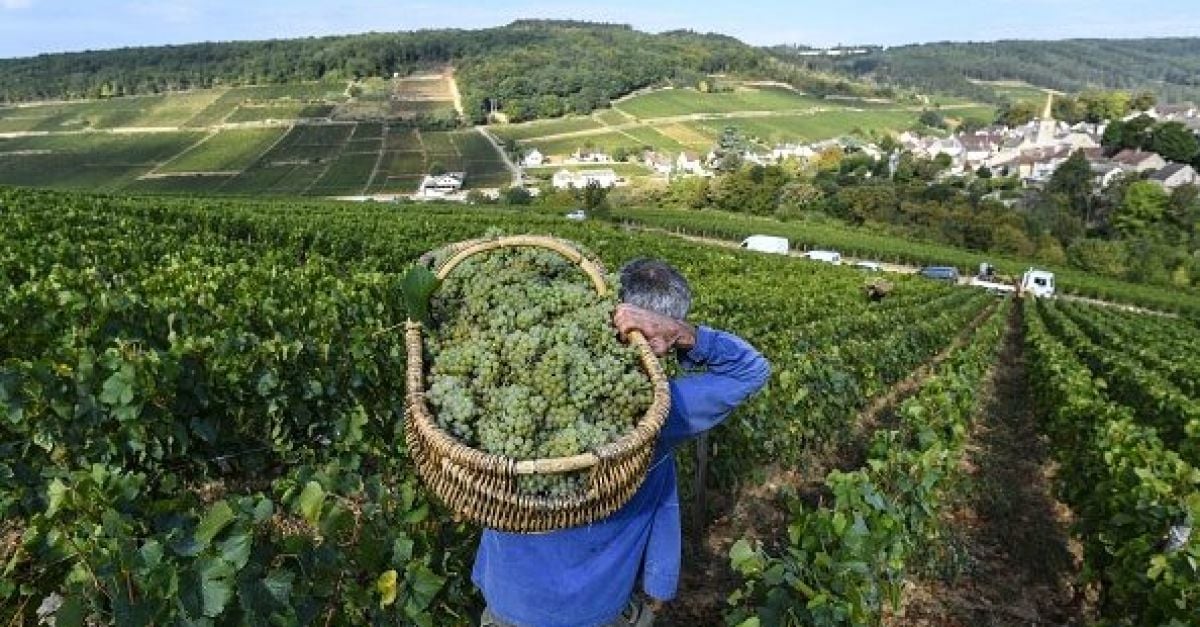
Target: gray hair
(655, 285)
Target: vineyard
(202, 400)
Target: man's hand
(661, 332)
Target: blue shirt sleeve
(733, 371)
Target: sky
(29, 27)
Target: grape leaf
(419, 286)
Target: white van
(827, 256)
(766, 244)
(1038, 282)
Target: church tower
(1046, 124)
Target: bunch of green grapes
(525, 363)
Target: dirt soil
(1015, 562)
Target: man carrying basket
(585, 576)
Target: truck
(766, 244)
(1039, 283)
(827, 256)
(987, 279)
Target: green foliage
(1163, 66)
(1143, 206)
(1125, 484)
(845, 562)
(1174, 142)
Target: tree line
(527, 69)
(1169, 67)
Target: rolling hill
(1169, 67)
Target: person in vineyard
(585, 576)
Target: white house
(660, 163)
(587, 156)
(690, 163)
(566, 179)
(442, 185)
(533, 158)
(1138, 161)
(1174, 175)
(786, 151)
(1106, 172)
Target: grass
(131, 112)
(225, 151)
(544, 128)
(606, 142)
(676, 102)
(611, 117)
(824, 125)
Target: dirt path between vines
(1016, 562)
(759, 511)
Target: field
(898, 248)
(225, 151)
(679, 102)
(1016, 90)
(88, 161)
(267, 330)
(675, 120)
(134, 112)
(263, 335)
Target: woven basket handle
(558, 464)
(536, 241)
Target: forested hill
(1169, 67)
(527, 68)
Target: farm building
(442, 185)
(566, 179)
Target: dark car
(940, 273)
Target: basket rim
(643, 434)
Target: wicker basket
(481, 487)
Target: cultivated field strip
(1135, 498)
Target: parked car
(870, 266)
(766, 244)
(940, 273)
(578, 214)
(827, 256)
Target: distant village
(1031, 152)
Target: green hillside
(1168, 67)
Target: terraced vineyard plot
(137, 111)
(96, 161)
(230, 100)
(400, 172)
(367, 130)
(184, 184)
(286, 111)
(402, 138)
(309, 144)
(347, 175)
(230, 150)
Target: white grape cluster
(525, 363)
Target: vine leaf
(419, 286)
